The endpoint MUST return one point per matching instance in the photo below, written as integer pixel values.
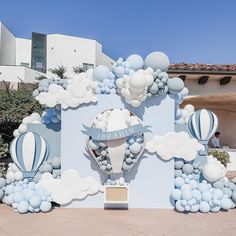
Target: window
(24, 64)
(39, 52)
(87, 66)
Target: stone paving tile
(133, 222)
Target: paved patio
(134, 222)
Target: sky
(193, 31)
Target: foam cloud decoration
(173, 144)
(80, 90)
(134, 87)
(70, 186)
(34, 118)
(213, 170)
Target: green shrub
(14, 106)
(221, 156)
(3, 148)
(2, 170)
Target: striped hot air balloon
(202, 125)
(29, 151)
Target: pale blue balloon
(3, 182)
(135, 62)
(179, 207)
(226, 203)
(185, 187)
(119, 71)
(2, 194)
(18, 197)
(135, 148)
(228, 192)
(45, 167)
(187, 208)
(232, 186)
(101, 72)
(175, 85)
(193, 183)
(9, 189)
(35, 201)
(23, 207)
(217, 193)
(194, 208)
(157, 60)
(204, 207)
(188, 169)
(179, 164)
(186, 195)
(206, 196)
(178, 173)
(234, 196)
(184, 202)
(175, 194)
(178, 182)
(184, 92)
(203, 187)
(45, 206)
(18, 188)
(215, 208)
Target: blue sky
(201, 31)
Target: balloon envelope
(29, 151)
(203, 124)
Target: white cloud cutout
(70, 186)
(80, 90)
(213, 170)
(134, 87)
(174, 145)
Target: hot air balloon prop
(28, 151)
(202, 125)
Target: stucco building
(26, 59)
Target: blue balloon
(179, 207)
(178, 182)
(226, 203)
(45, 206)
(3, 182)
(23, 207)
(29, 160)
(204, 207)
(175, 194)
(188, 169)
(179, 164)
(1, 194)
(35, 201)
(202, 124)
(101, 72)
(135, 62)
(186, 195)
(18, 197)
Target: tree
(59, 71)
(14, 106)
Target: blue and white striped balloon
(29, 151)
(202, 124)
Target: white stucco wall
(23, 51)
(18, 74)
(7, 46)
(211, 87)
(101, 57)
(69, 51)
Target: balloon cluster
(13, 173)
(119, 182)
(52, 115)
(80, 89)
(3, 183)
(34, 118)
(193, 195)
(24, 196)
(183, 114)
(100, 149)
(52, 166)
(44, 84)
(105, 79)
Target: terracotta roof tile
(202, 67)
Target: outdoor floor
(83, 222)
